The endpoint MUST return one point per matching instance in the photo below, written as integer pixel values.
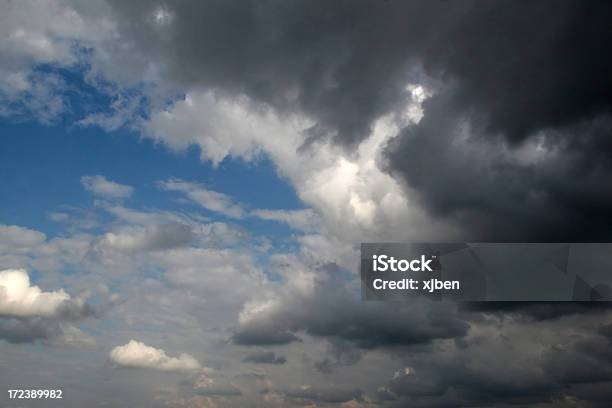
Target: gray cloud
(547, 189)
(524, 65)
(339, 353)
(48, 331)
(508, 79)
(28, 330)
(332, 311)
(538, 311)
(29, 314)
(336, 61)
(323, 394)
(136, 239)
(476, 374)
(223, 390)
(264, 357)
(56, 329)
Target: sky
(185, 186)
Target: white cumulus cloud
(353, 196)
(138, 355)
(19, 298)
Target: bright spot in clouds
(19, 298)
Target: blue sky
(42, 165)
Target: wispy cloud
(209, 199)
(100, 186)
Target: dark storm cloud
(263, 335)
(557, 374)
(513, 73)
(322, 394)
(333, 311)
(338, 61)
(498, 193)
(264, 357)
(503, 72)
(528, 66)
(538, 310)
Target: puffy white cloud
(19, 298)
(221, 127)
(353, 196)
(102, 187)
(211, 200)
(28, 314)
(138, 355)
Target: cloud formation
(335, 395)
(303, 220)
(150, 238)
(13, 236)
(211, 200)
(392, 121)
(510, 141)
(320, 303)
(100, 186)
(348, 191)
(28, 314)
(136, 354)
(531, 120)
(264, 357)
(19, 298)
